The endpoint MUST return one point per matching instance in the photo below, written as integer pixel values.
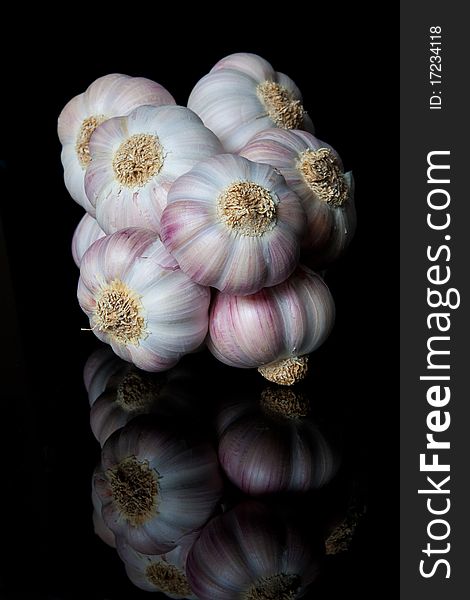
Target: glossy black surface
(48, 449)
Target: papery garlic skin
(271, 445)
(99, 368)
(314, 170)
(99, 526)
(140, 302)
(177, 480)
(285, 321)
(233, 225)
(109, 96)
(159, 573)
(86, 232)
(136, 159)
(246, 553)
(243, 95)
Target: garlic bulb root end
(323, 174)
(286, 403)
(281, 107)
(280, 586)
(287, 371)
(168, 578)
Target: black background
(48, 451)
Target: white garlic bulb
(274, 329)
(314, 171)
(100, 366)
(140, 302)
(157, 484)
(243, 95)
(109, 96)
(135, 160)
(86, 232)
(159, 572)
(233, 224)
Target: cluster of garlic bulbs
(173, 489)
(203, 223)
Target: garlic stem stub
(314, 170)
(135, 160)
(243, 95)
(159, 573)
(233, 224)
(247, 554)
(86, 232)
(109, 96)
(156, 484)
(140, 302)
(284, 323)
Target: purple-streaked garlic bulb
(135, 160)
(86, 232)
(243, 95)
(98, 369)
(129, 392)
(109, 96)
(313, 169)
(156, 484)
(99, 526)
(233, 224)
(140, 302)
(248, 554)
(275, 329)
(271, 445)
(159, 573)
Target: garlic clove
(233, 225)
(86, 232)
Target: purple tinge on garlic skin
(233, 224)
(98, 369)
(177, 479)
(288, 320)
(135, 160)
(314, 170)
(247, 553)
(140, 302)
(269, 444)
(164, 572)
(109, 96)
(243, 95)
(86, 232)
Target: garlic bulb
(135, 159)
(247, 553)
(159, 573)
(129, 392)
(99, 526)
(139, 301)
(98, 369)
(243, 95)
(273, 329)
(233, 224)
(157, 485)
(270, 445)
(87, 232)
(109, 96)
(314, 171)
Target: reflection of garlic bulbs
(109, 96)
(270, 445)
(233, 224)
(87, 232)
(273, 329)
(314, 171)
(247, 553)
(156, 485)
(243, 95)
(140, 302)
(99, 526)
(98, 369)
(135, 160)
(159, 573)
